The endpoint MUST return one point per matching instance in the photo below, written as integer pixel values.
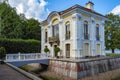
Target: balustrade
(31, 56)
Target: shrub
(57, 49)
(2, 52)
(46, 50)
(20, 45)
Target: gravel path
(7, 73)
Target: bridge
(23, 59)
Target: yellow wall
(67, 16)
(55, 21)
(98, 19)
(85, 15)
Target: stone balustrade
(27, 56)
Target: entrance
(54, 51)
(98, 49)
(86, 49)
(67, 50)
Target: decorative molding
(76, 15)
(61, 21)
(92, 20)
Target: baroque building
(78, 32)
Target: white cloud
(31, 8)
(116, 10)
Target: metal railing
(98, 37)
(53, 39)
(30, 56)
(86, 36)
(67, 36)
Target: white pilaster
(60, 34)
(50, 35)
(92, 36)
(42, 39)
(102, 38)
(80, 32)
(50, 30)
(75, 24)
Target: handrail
(28, 56)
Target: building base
(79, 68)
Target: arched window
(67, 29)
(86, 35)
(97, 32)
(55, 28)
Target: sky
(39, 9)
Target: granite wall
(80, 69)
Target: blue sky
(101, 6)
(39, 9)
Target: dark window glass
(46, 35)
(67, 31)
(55, 30)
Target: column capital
(92, 20)
(42, 28)
(76, 15)
(61, 21)
(102, 23)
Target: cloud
(116, 10)
(31, 8)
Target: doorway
(67, 50)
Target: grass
(117, 77)
(48, 78)
(28, 68)
(112, 55)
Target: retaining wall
(80, 69)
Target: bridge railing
(30, 56)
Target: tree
(2, 52)
(10, 22)
(33, 29)
(13, 25)
(112, 32)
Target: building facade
(78, 32)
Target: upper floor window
(55, 28)
(97, 32)
(67, 29)
(86, 35)
(46, 36)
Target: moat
(75, 69)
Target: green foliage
(19, 45)
(112, 55)
(33, 29)
(49, 78)
(13, 25)
(2, 52)
(112, 32)
(10, 21)
(57, 49)
(46, 49)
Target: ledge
(31, 76)
(73, 60)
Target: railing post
(6, 57)
(19, 55)
(36, 56)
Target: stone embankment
(80, 68)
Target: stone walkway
(7, 73)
